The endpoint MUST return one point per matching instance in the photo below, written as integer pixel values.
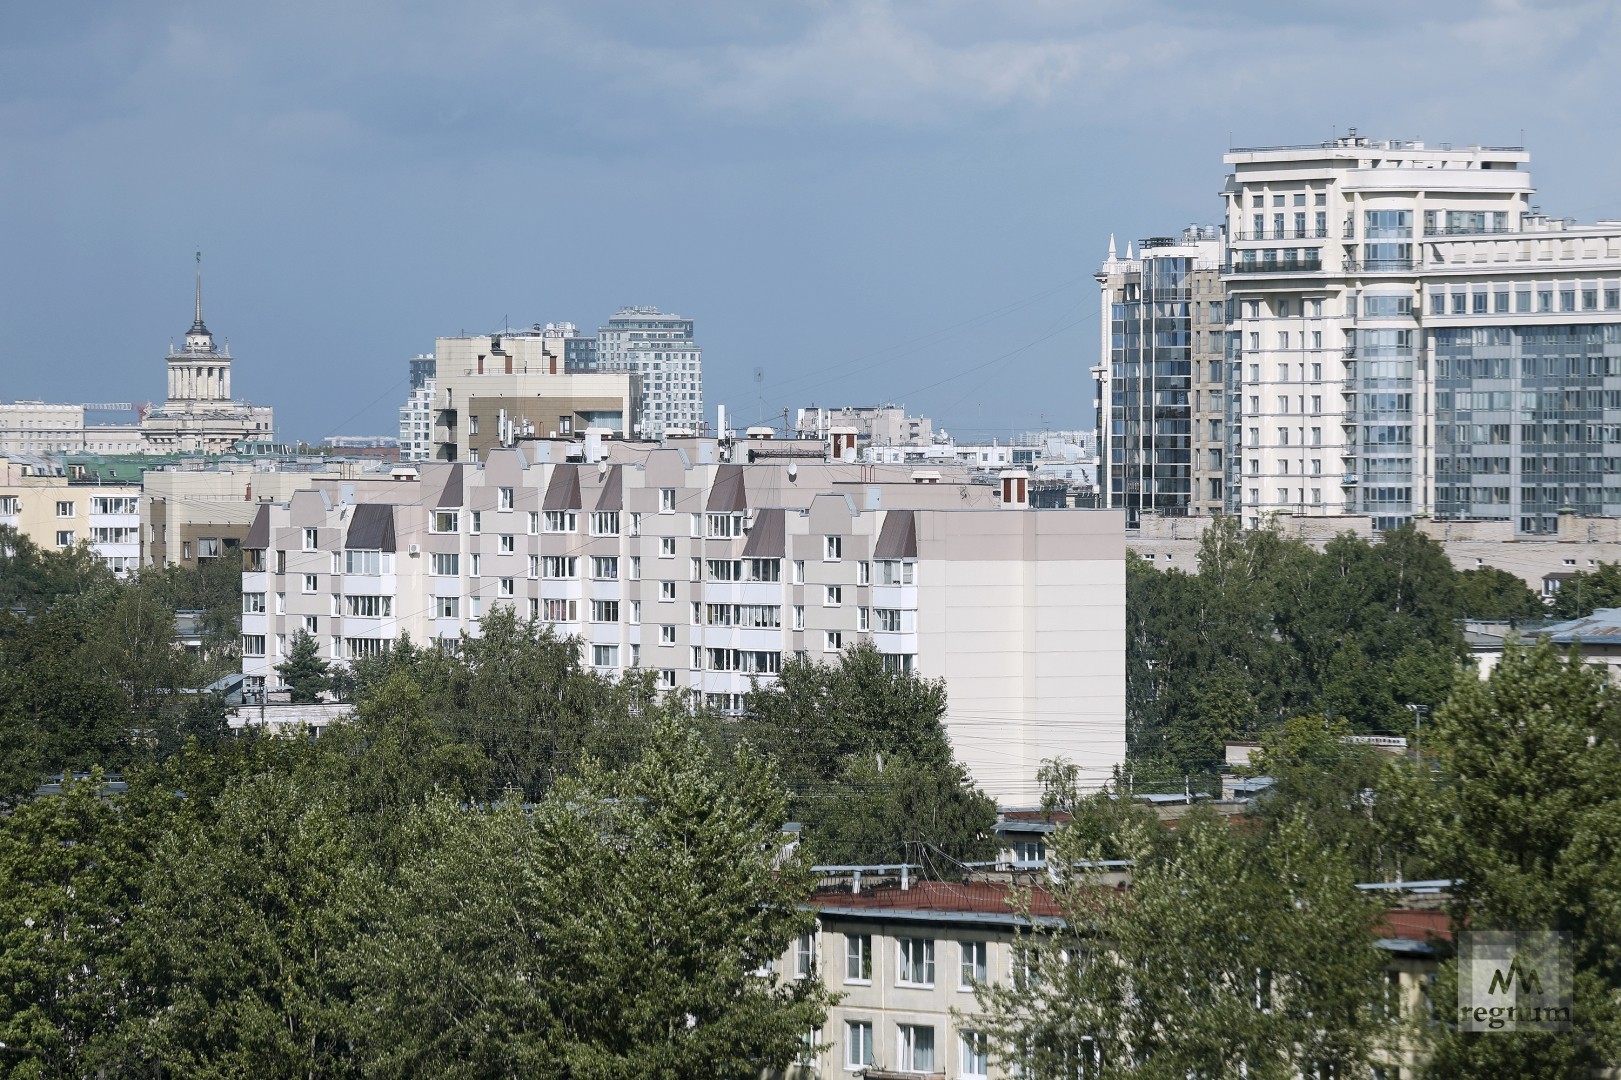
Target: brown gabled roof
(768, 536)
(563, 493)
(452, 495)
(727, 494)
(898, 538)
(613, 490)
(372, 528)
(259, 531)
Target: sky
(857, 201)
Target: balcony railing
(1282, 266)
(1466, 230)
(1313, 233)
(1349, 480)
(1381, 266)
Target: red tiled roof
(1415, 925)
(941, 897)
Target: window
(253, 644)
(725, 526)
(799, 616)
(446, 607)
(534, 566)
(857, 1043)
(472, 425)
(666, 590)
(1522, 300)
(763, 569)
(369, 607)
(805, 956)
(863, 619)
(667, 678)
(311, 536)
(446, 564)
(799, 571)
(725, 570)
(504, 498)
(975, 1051)
(972, 971)
(476, 562)
(605, 655)
(446, 521)
(508, 546)
(667, 634)
(858, 958)
(475, 522)
(605, 611)
(834, 596)
(1029, 851)
(311, 583)
(253, 603)
(605, 567)
(558, 611)
(562, 521)
(916, 961)
(834, 641)
(904, 663)
(605, 523)
(666, 500)
(363, 562)
(534, 523)
(357, 648)
(915, 1048)
(696, 573)
(889, 620)
(559, 566)
(832, 548)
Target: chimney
(1015, 489)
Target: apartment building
(54, 512)
(1163, 323)
(907, 954)
(1409, 336)
(200, 511)
(875, 425)
(491, 390)
(712, 573)
(659, 349)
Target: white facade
(1407, 336)
(712, 574)
(416, 424)
(659, 347)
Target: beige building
(203, 513)
(56, 513)
(38, 427)
(492, 390)
(712, 573)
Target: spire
(197, 327)
(1111, 247)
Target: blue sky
(860, 201)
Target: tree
(870, 770)
(304, 671)
(1520, 808)
(618, 931)
(1585, 591)
(1229, 956)
(1491, 594)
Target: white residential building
(711, 574)
(1409, 336)
(658, 347)
(416, 423)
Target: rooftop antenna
(197, 325)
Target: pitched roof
(768, 536)
(371, 528)
(727, 494)
(452, 493)
(613, 490)
(259, 531)
(563, 493)
(898, 538)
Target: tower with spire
(198, 412)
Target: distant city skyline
(856, 201)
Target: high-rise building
(659, 348)
(579, 350)
(1163, 325)
(416, 415)
(1410, 336)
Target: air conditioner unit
(414, 549)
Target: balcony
(1467, 230)
(1281, 234)
(1349, 480)
(1282, 266)
(1382, 266)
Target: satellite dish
(793, 470)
